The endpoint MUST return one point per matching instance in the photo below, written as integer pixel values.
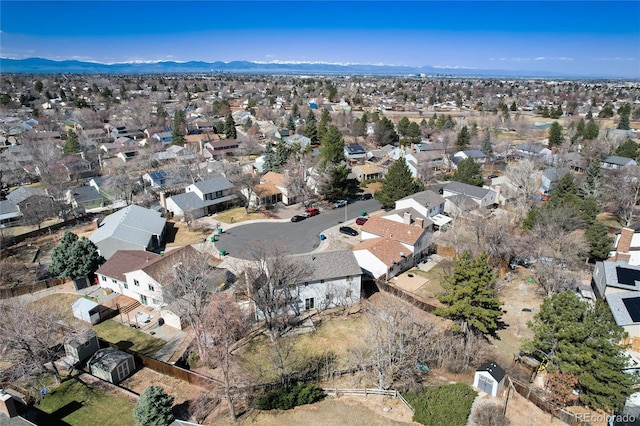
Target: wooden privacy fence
(383, 286)
(366, 392)
(6, 293)
(546, 406)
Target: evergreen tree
(403, 126)
(72, 145)
(469, 172)
(565, 191)
(310, 128)
(269, 159)
(624, 124)
(555, 135)
(177, 132)
(291, 124)
(74, 257)
(332, 146)
(591, 130)
(397, 183)
(154, 408)
(582, 339)
(38, 86)
(592, 177)
(294, 111)
(514, 107)
(280, 156)
(628, 149)
(413, 132)
(337, 184)
(588, 207)
(487, 147)
(469, 300)
(580, 129)
(230, 131)
(600, 243)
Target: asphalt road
(295, 237)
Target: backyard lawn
(238, 215)
(128, 337)
(434, 277)
(75, 403)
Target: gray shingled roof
(189, 201)
(212, 185)
(8, 209)
(615, 159)
(107, 359)
(330, 264)
(426, 198)
(86, 193)
(615, 271)
(466, 189)
(22, 193)
(619, 309)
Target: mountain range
(47, 66)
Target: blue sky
(575, 37)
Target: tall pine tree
(311, 128)
(332, 146)
(154, 408)
(230, 127)
(469, 300)
(397, 183)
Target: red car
(361, 220)
(312, 211)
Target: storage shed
(111, 365)
(86, 310)
(81, 346)
(489, 378)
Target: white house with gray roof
(203, 198)
(615, 162)
(130, 228)
(482, 197)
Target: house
(533, 151)
(421, 161)
(389, 248)
(423, 209)
(626, 246)
(614, 162)
(221, 148)
(76, 167)
(27, 199)
(549, 179)
(140, 275)
(301, 140)
(10, 214)
(355, 153)
(164, 138)
(482, 197)
(80, 347)
(333, 280)
(489, 378)
(365, 172)
(614, 277)
(111, 365)
(477, 156)
(281, 183)
(86, 310)
(86, 197)
(130, 228)
(203, 198)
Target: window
(218, 194)
(321, 281)
(136, 282)
(103, 278)
(126, 286)
(309, 303)
(143, 299)
(151, 288)
(306, 283)
(114, 281)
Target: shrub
(445, 405)
(287, 398)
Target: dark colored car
(361, 220)
(312, 211)
(366, 196)
(348, 231)
(298, 218)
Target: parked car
(298, 218)
(340, 203)
(348, 231)
(312, 211)
(361, 220)
(366, 196)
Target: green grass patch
(434, 276)
(75, 403)
(444, 405)
(128, 338)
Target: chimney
(419, 222)
(407, 218)
(7, 404)
(163, 200)
(624, 242)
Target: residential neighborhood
(224, 236)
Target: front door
(485, 384)
(122, 371)
(143, 299)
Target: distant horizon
(578, 38)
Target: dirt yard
(179, 389)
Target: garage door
(485, 384)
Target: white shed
(489, 378)
(86, 310)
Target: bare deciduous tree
(225, 325)
(622, 193)
(525, 185)
(29, 338)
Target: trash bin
(322, 237)
(363, 213)
(219, 231)
(213, 238)
(223, 252)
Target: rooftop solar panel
(627, 276)
(633, 307)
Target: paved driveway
(296, 237)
